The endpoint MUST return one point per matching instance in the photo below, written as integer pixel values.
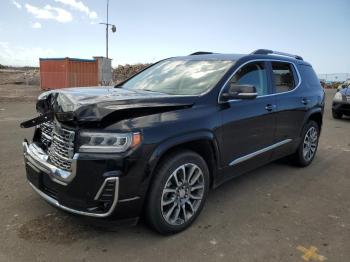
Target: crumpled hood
(93, 104)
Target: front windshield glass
(180, 77)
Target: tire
(336, 115)
(170, 196)
(308, 146)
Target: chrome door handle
(270, 107)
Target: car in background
(341, 102)
(343, 85)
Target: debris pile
(123, 72)
(23, 76)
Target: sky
(150, 30)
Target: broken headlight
(95, 142)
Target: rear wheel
(336, 115)
(178, 192)
(308, 146)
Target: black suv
(156, 143)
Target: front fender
(182, 139)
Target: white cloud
(49, 12)
(23, 56)
(18, 5)
(36, 25)
(80, 6)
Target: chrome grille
(46, 133)
(60, 144)
(61, 150)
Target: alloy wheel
(310, 143)
(182, 194)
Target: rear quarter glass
(309, 77)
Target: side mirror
(240, 92)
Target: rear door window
(284, 77)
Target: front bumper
(341, 107)
(91, 188)
(57, 204)
(37, 157)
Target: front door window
(252, 74)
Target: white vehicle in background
(344, 85)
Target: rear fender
(307, 116)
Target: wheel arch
(203, 143)
(314, 115)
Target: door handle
(270, 107)
(305, 101)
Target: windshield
(180, 77)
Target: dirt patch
(19, 84)
(23, 76)
(19, 93)
(56, 228)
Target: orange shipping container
(68, 72)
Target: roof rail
(202, 53)
(270, 52)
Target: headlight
(108, 142)
(338, 97)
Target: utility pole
(113, 28)
(107, 30)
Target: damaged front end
(52, 150)
(80, 181)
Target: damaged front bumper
(54, 185)
(39, 159)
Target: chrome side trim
(247, 94)
(38, 158)
(83, 213)
(261, 60)
(129, 199)
(254, 154)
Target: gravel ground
(266, 215)
(19, 85)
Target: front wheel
(308, 146)
(178, 192)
